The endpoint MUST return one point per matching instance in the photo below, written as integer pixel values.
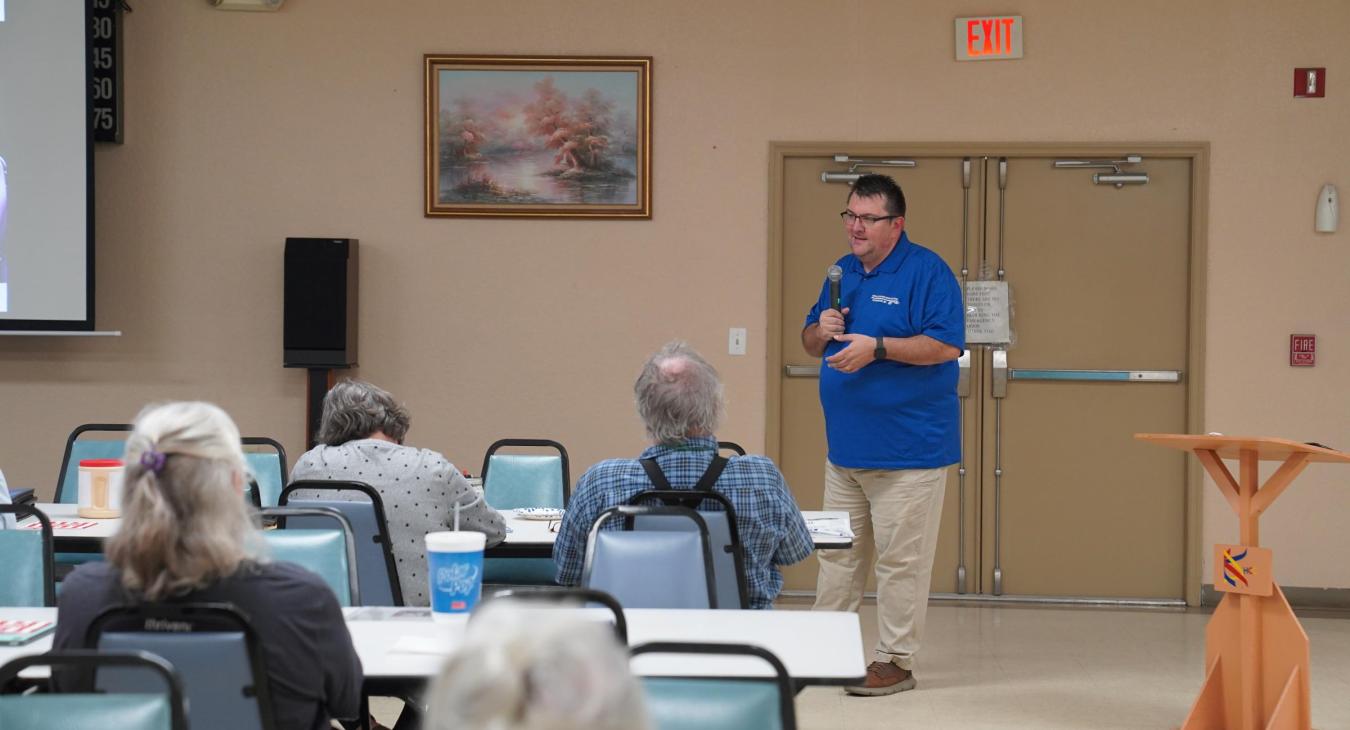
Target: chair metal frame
(786, 690)
(199, 618)
(731, 446)
(21, 511)
(70, 446)
(385, 541)
(265, 441)
(349, 538)
(692, 498)
(628, 512)
(560, 594)
(533, 443)
(255, 495)
(85, 659)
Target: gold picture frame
(538, 136)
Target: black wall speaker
(320, 303)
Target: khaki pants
(900, 510)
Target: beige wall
(244, 128)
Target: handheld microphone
(835, 274)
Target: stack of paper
(830, 526)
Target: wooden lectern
(1256, 653)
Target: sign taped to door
(988, 313)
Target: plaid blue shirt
(768, 520)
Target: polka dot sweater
(419, 488)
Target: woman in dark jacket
(187, 535)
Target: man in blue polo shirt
(888, 389)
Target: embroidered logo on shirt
(882, 299)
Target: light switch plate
(736, 341)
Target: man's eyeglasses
(849, 218)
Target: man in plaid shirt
(679, 397)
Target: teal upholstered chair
(695, 703)
(212, 645)
(266, 459)
(89, 441)
(153, 710)
(330, 553)
(515, 480)
(526, 480)
(27, 569)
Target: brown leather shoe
(883, 678)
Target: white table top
(66, 524)
(817, 647)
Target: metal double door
(1053, 498)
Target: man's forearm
(812, 341)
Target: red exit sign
(1303, 350)
(989, 38)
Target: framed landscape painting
(538, 136)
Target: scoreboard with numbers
(105, 69)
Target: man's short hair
(870, 186)
(678, 395)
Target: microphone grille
(834, 273)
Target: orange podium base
(1256, 653)
(1280, 649)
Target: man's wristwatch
(880, 352)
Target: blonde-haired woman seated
(188, 536)
(524, 668)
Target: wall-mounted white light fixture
(1328, 215)
(247, 4)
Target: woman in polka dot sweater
(361, 439)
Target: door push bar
(962, 382)
(1002, 374)
(1099, 376)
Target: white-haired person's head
(528, 668)
(679, 395)
(185, 522)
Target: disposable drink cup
(454, 571)
(100, 492)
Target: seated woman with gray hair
(188, 535)
(522, 668)
(360, 439)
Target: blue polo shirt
(893, 415)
